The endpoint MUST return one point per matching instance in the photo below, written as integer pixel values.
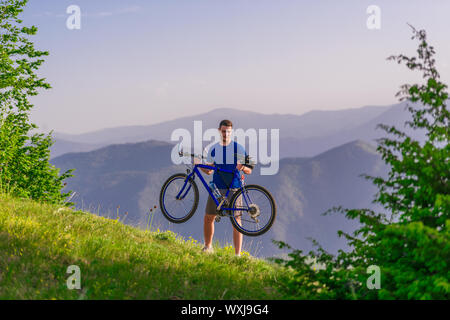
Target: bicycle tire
(272, 215)
(162, 205)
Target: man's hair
(226, 123)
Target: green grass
(38, 242)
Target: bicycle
(180, 191)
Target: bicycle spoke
(251, 221)
(184, 206)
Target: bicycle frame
(196, 171)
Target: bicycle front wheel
(178, 200)
(255, 210)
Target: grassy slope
(38, 243)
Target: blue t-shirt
(226, 157)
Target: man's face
(225, 132)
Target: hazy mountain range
(310, 124)
(311, 133)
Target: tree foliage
(409, 242)
(25, 170)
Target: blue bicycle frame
(195, 171)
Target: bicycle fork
(188, 178)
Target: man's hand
(208, 171)
(243, 168)
(196, 160)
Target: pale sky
(141, 62)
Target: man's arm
(244, 167)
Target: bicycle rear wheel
(182, 209)
(258, 210)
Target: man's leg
(208, 229)
(237, 239)
(237, 236)
(208, 222)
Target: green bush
(25, 170)
(409, 243)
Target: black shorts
(211, 205)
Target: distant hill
(62, 146)
(310, 124)
(302, 130)
(367, 131)
(311, 133)
(131, 175)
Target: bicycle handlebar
(192, 155)
(246, 159)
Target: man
(224, 156)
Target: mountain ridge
(219, 113)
